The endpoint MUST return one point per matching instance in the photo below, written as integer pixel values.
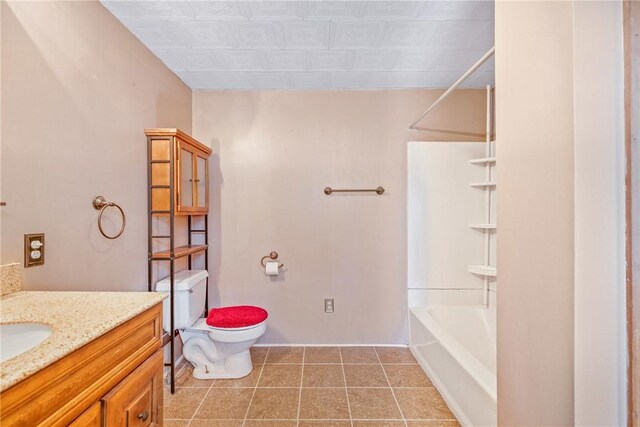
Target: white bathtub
(456, 346)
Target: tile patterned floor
(313, 387)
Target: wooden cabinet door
(186, 178)
(137, 400)
(192, 178)
(202, 182)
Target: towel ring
(101, 204)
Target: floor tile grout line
(246, 414)
(304, 352)
(346, 390)
(201, 402)
(393, 393)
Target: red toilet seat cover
(239, 316)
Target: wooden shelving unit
(178, 185)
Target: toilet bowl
(220, 352)
(214, 351)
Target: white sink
(17, 338)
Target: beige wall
(1, 209)
(275, 152)
(78, 90)
(534, 81)
(600, 309)
(561, 341)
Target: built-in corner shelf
(483, 161)
(483, 226)
(482, 184)
(483, 270)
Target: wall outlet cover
(328, 305)
(33, 249)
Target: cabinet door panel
(202, 179)
(161, 149)
(137, 400)
(186, 178)
(160, 199)
(160, 173)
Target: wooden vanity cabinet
(115, 380)
(175, 155)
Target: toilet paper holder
(273, 255)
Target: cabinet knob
(143, 416)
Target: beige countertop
(76, 318)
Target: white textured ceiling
(311, 44)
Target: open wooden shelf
(483, 270)
(179, 252)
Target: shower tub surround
(452, 331)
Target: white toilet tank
(189, 288)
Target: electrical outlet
(33, 249)
(328, 305)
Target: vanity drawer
(92, 417)
(137, 400)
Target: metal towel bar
(329, 190)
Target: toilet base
(234, 366)
(213, 359)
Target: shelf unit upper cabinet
(190, 161)
(192, 179)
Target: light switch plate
(33, 256)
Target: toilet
(217, 345)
